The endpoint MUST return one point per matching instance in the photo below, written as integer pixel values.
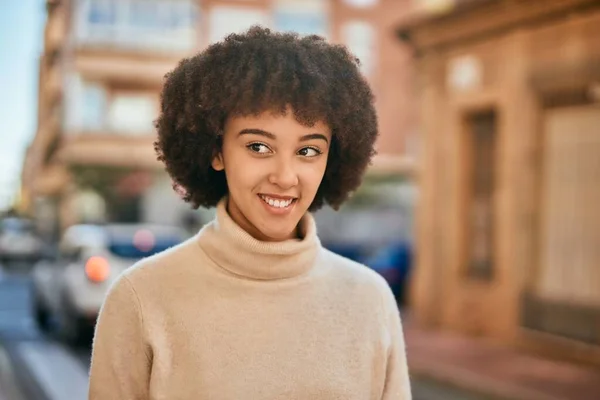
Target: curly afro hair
(255, 72)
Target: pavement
(5, 370)
(9, 390)
(495, 371)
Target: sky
(21, 41)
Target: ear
(217, 162)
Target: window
(361, 3)
(93, 98)
(569, 236)
(303, 17)
(161, 25)
(480, 163)
(102, 13)
(359, 36)
(132, 113)
(225, 20)
(144, 15)
(92, 107)
(85, 105)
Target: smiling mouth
(277, 203)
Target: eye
(309, 152)
(260, 148)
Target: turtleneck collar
(236, 251)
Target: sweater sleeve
(120, 367)
(397, 382)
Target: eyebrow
(270, 135)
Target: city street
(42, 367)
(34, 366)
(450, 146)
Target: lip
(277, 197)
(274, 210)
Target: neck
(238, 252)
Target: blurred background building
(509, 238)
(489, 115)
(102, 69)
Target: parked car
(393, 262)
(19, 241)
(69, 290)
(352, 251)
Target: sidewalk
(4, 373)
(497, 371)
(8, 388)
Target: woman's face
(274, 166)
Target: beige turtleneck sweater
(226, 317)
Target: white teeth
(276, 203)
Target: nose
(284, 174)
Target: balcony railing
(92, 108)
(146, 25)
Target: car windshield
(142, 242)
(16, 225)
(126, 249)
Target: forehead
(275, 123)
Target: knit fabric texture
(224, 316)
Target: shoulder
(360, 290)
(155, 271)
(357, 276)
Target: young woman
(266, 127)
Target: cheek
(313, 174)
(242, 175)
